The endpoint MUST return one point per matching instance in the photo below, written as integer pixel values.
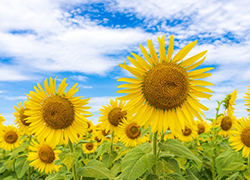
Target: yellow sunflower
(170, 135)
(164, 90)
(102, 134)
(21, 119)
(230, 101)
(90, 126)
(240, 139)
(188, 134)
(203, 126)
(112, 115)
(56, 116)
(89, 147)
(10, 137)
(130, 134)
(247, 99)
(43, 157)
(226, 123)
(1, 119)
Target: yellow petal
(170, 47)
(145, 54)
(184, 51)
(192, 59)
(141, 61)
(153, 54)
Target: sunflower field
(156, 131)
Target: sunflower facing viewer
(57, 116)
(164, 90)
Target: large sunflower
(113, 115)
(164, 91)
(43, 157)
(130, 134)
(21, 119)
(9, 137)
(226, 123)
(57, 116)
(240, 139)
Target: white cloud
(87, 87)
(79, 78)
(13, 98)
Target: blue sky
(85, 42)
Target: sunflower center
(23, 118)
(245, 137)
(166, 86)
(226, 123)
(58, 112)
(115, 116)
(10, 137)
(89, 146)
(201, 128)
(133, 131)
(46, 154)
(105, 133)
(97, 139)
(187, 131)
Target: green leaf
(235, 166)
(108, 159)
(137, 161)
(177, 148)
(9, 164)
(145, 131)
(175, 165)
(247, 174)
(190, 175)
(95, 169)
(116, 168)
(121, 153)
(68, 158)
(171, 176)
(60, 176)
(164, 168)
(21, 165)
(234, 176)
(102, 148)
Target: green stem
(111, 144)
(30, 168)
(154, 144)
(213, 140)
(74, 165)
(248, 162)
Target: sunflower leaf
(108, 159)
(68, 158)
(103, 148)
(21, 166)
(137, 161)
(95, 169)
(177, 148)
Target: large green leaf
(235, 166)
(234, 176)
(117, 168)
(103, 148)
(137, 161)
(68, 158)
(190, 175)
(60, 176)
(108, 158)
(95, 169)
(177, 148)
(21, 165)
(171, 176)
(164, 168)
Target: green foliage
(68, 158)
(22, 166)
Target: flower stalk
(74, 165)
(154, 144)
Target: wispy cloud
(79, 78)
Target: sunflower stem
(111, 144)
(74, 165)
(154, 144)
(213, 140)
(30, 168)
(248, 162)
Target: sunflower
(203, 126)
(230, 101)
(170, 135)
(10, 137)
(130, 134)
(164, 91)
(226, 123)
(113, 115)
(89, 147)
(57, 116)
(1, 119)
(101, 134)
(247, 99)
(188, 134)
(90, 126)
(43, 157)
(21, 119)
(240, 139)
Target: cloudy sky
(85, 42)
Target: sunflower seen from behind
(21, 119)
(9, 137)
(164, 91)
(240, 136)
(43, 156)
(230, 101)
(55, 115)
(226, 123)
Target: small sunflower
(10, 137)
(102, 133)
(203, 126)
(21, 119)
(226, 123)
(247, 99)
(43, 156)
(164, 90)
(230, 101)
(90, 126)
(130, 134)
(1, 119)
(188, 134)
(56, 116)
(240, 139)
(113, 115)
(89, 147)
